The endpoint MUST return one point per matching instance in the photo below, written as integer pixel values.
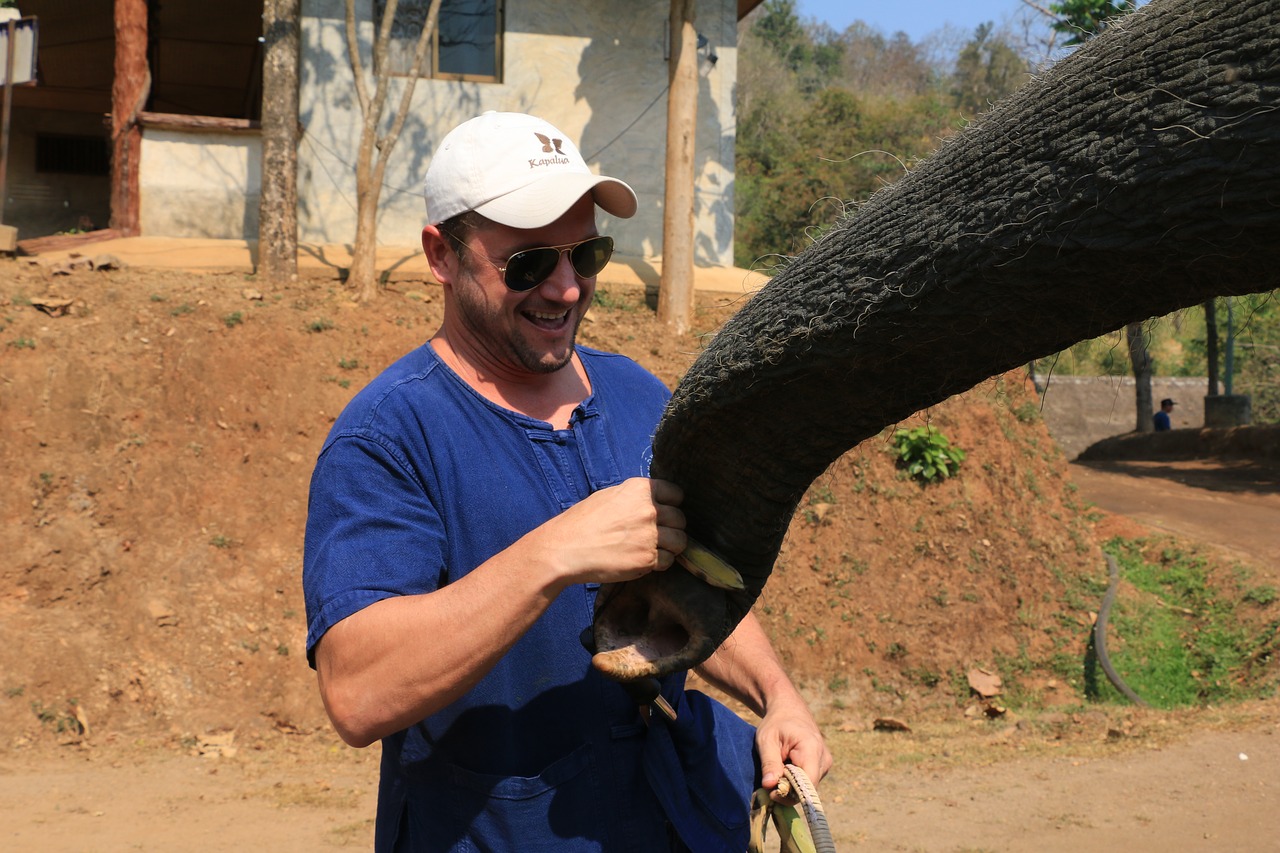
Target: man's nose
(563, 283)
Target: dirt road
(1217, 791)
(1234, 504)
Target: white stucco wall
(200, 184)
(594, 68)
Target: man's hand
(617, 534)
(788, 734)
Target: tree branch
(353, 53)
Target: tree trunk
(375, 151)
(1140, 359)
(1211, 344)
(1229, 358)
(130, 87)
(1136, 177)
(278, 204)
(363, 276)
(675, 297)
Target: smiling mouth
(547, 319)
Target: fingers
(671, 541)
(814, 762)
(671, 536)
(771, 757)
(665, 492)
(791, 742)
(670, 517)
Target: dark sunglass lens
(528, 269)
(591, 256)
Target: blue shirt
(1161, 421)
(420, 481)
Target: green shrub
(926, 454)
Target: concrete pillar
(1228, 410)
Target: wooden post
(278, 204)
(675, 298)
(10, 50)
(129, 90)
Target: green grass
(1185, 632)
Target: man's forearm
(748, 669)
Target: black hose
(1100, 635)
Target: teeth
(703, 563)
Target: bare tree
(375, 150)
(278, 205)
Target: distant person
(1161, 418)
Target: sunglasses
(527, 269)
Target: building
(596, 68)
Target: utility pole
(675, 297)
(278, 204)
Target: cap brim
(543, 202)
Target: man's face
(530, 332)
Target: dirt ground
(156, 435)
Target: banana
(705, 564)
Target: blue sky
(917, 18)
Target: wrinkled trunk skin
(1138, 176)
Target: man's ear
(441, 257)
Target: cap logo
(549, 146)
(548, 142)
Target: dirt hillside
(156, 436)
(158, 431)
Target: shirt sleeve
(372, 532)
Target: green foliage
(1257, 355)
(986, 70)
(1261, 595)
(927, 454)
(1082, 19)
(826, 118)
(813, 54)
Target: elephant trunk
(1138, 176)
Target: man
(1161, 418)
(465, 509)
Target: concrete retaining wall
(1081, 410)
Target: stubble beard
(488, 323)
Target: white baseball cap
(516, 170)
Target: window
(73, 155)
(467, 43)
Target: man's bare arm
(747, 668)
(402, 659)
